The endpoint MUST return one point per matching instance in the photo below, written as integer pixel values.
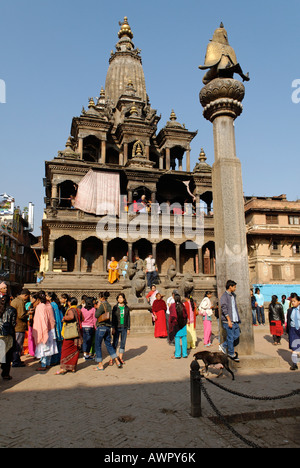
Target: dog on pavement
(220, 360)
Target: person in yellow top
(113, 270)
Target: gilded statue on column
(220, 59)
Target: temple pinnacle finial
(173, 116)
(202, 156)
(125, 29)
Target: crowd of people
(54, 330)
(284, 316)
(175, 319)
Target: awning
(99, 193)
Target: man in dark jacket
(230, 320)
(22, 325)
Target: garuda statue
(220, 59)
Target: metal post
(195, 390)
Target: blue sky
(54, 56)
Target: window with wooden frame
(275, 247)
(271, 219)
(297, 272)
(276, 272)
(295, 220)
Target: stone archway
(209, 258)
(188, 258)
(117, 248)
(65, 250)
(142, 248)
(92, 255)
(165, 255)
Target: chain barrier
(262, 398)
(243, 395)
(223, 420)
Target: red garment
(159, 310)
(276, 328)
(69, 355)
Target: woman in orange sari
(113, 270)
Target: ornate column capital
(222, 96)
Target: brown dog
(210, 359)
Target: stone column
(180, 164)
(221, 99)
(154, 251)
(51, 254)
(188, 160)
(200, 261)
(104, 256)
(168, 159)
(177, 258)
(125, 152)
(54, 195)
(130, 252)
(80, 147)
(79, 251)
(103, 151)
(161, 161)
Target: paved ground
(147, 403)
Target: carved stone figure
(171, 274)
(138, 286)
(220, 59)
(186, 285)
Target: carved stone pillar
(188, 160)
(104, 256)
(80, 147)
(103, 151)
(168, 159)
(130, 252)
(54, 195)
(222, 100)
(180, 164)
(200, 261)
(161, 161)
(51, 254)
(79, 252)
(125, 153)
(177, 258)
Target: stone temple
(115, 155)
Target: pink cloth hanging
(99, 193)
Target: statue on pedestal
(220, 59)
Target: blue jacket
(226, 307)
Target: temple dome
(124, 65)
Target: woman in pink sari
(205, 309)
(43, 331)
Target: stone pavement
(147, 403)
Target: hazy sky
(54, 56)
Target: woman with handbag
(103, 331)
(8, 320)
(72, 338)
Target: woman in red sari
(70, 348)
(159, 308)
